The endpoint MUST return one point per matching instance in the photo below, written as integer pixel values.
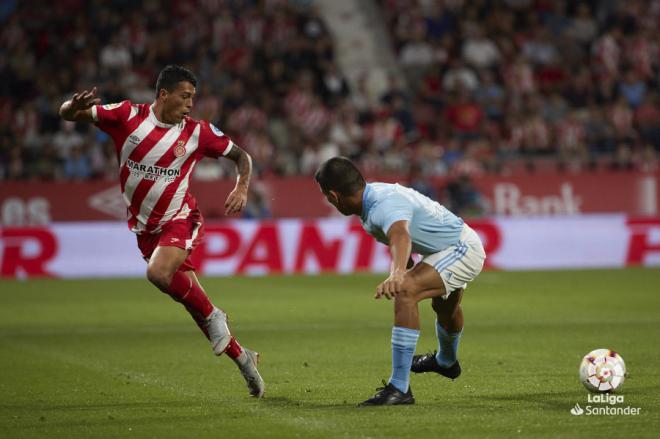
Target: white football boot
(216, 325)
(247, 363)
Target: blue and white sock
(448, 345)
(404, 341)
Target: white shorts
(460, 263)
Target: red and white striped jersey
(156, 161)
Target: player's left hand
(236, 200)
(84, 100)
(391, 286)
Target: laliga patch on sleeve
(111, 106)
(216, 130)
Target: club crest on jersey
(216, 130)
(111, 106)
(180, 149)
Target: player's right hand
(391, 286)
(84, 100)
(236, 200)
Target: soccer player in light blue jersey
(452, 255)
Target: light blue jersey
(432, 227)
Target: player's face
(178, 103)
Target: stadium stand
(499, 86)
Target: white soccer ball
(602, 371)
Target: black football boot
(428, 363)
(389, 395)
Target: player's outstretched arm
(79, 107)
(238, 197)
(400, 248)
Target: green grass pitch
(116, 358)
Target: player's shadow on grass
(139, 413)
(133, 421)
(286, 402)
(160, 405)
(168, 406)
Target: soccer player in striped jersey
(157, 147)
(453, 255)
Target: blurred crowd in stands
(484, 86)
(567, 84)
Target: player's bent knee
(410, 288)
(159, 277)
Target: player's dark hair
(170, 76)
(339, 174)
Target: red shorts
(185, 234)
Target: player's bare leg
(245, 359)
(184, 287)
(449, 327)
(423, 282)
(163, 264)
(164, 272)
(449, 312)
(420, 282)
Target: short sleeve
(109, 116)
(213, 142)
(390, 210)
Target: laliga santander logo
(216, 130)
(602, 371)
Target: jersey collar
(367, 201)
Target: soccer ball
(602, 371)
